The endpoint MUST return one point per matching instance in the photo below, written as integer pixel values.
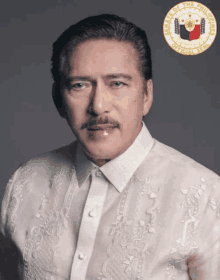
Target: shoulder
(45, 167)
(177, 161)
(181, 179)
(33, 176)
(51, 161)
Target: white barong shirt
(152, 213)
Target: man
(115, 204)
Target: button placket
(89, 224)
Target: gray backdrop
(186, 108)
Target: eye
(117, 84)
(78, 86)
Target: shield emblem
(189, 26)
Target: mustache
(94, 121)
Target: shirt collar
(119, 170)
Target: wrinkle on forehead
(103, 56)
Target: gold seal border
(189, 50)
(205, 47)
(208, 15)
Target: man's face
(105, 98)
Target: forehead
(104, 56)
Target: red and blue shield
(189, 28)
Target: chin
(101, 154)
(100, 146)
(102, 151)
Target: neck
(100, 162)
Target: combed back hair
(103, 26)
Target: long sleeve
(206, 264)
(159, 220)
(9, 253)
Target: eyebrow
(118, 76)
(107, 77)
(78, 78)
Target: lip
(101, 127)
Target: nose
(101, 100)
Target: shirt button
(98, 173)
(92, 213)
(81, 256)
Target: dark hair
(96, 27)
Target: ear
(148, 96)
(58, 100)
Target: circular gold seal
(189, 28)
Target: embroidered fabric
(41, 241)
(131, 236)
(151, 234)
(21, 188)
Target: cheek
(127, 100)
(76, 110)
(76, 104)
(124, 103)
(130, 104)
